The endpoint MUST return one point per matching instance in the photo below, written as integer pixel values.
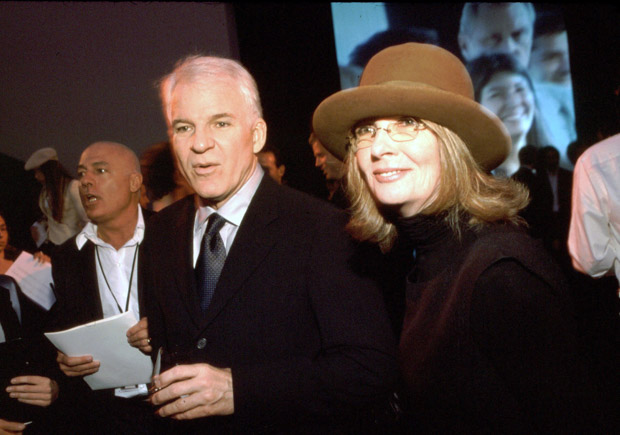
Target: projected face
(510, 97)
(549, 61)
(498, 28)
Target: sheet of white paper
(34, 278)
(41, 233)
(106, 341)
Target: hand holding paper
(106, 342)
(77, 365)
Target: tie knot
(216, 222)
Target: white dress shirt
(114, 269)
(594, 236)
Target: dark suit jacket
(527, 177)
(553, 225)
(304, 331)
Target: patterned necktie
(210, 261)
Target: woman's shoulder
(511, 244)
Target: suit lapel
(90, 285)
(182, 253)
(251, 246)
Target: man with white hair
(264, 318)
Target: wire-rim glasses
(401, 130)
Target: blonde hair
(465, 194)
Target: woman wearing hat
(59, 200)
(486, 344)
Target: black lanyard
(133, 266)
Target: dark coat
(304, 331)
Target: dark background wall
(58, 56)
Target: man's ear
(259, 135)
(135, 182)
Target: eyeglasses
(402, 130)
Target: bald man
(96, 276)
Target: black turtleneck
(435, 244)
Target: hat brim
(482, 131)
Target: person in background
(526, 175)
(97, 275)
(594, 248)
(271, 162)
(8, 254)
(59, 200)
(504, 87)
(553, 200)
(594, 233)
(332, 169)
(22, 319)
(491, 28)
(488, 343)
(163, 184)
(549, 69)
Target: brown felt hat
(420, 80)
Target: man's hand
(77, 365)
(11, 427)
(138, 336)
(33, 390)
(193, 391)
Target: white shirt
(113, 279)
(233, 211)
(594, 236)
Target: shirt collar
(89, 232)
(234, 209)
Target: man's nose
(201, 142)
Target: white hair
(202, 70)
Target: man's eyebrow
(221, 115)
(212, 118)
(96, 164)
(184, 121)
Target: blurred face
(499, 29)
(4, 235)
(549, 61)
(268, 161)
(214, 137)
(39, 176)
(332, 167)
(509, 96)
(401, 175)
(109, 185)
